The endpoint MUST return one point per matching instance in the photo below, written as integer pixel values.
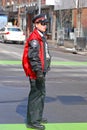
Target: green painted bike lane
(54, 63)
(49, 126)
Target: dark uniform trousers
(36, 101)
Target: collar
(41, 34)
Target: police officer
(39, 64)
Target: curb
(66, 49)
(71, 50)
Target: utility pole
(39, 3)
(53, 25)
(79, 11)
(18, 12)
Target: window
(3, 29)
(14, 29)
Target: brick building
(83, 19)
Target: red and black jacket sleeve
(33, 55)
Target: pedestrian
(39, 64)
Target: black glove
(48, 64)
(40, 76)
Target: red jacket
(25, 60)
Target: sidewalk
(68, 47)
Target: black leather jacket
(34, 59)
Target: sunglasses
(43, 23)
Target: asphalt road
(66, 87)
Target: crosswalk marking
(19, 55)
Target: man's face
(41, 26)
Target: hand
(40, 76)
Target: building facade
(21, 12)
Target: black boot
(36, 126)
(43, 120)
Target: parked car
(12, 34)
